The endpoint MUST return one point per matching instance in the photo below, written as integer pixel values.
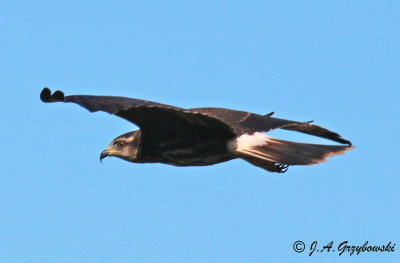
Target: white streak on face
(246, 141)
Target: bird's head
(124, 146)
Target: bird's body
(191, 150)
(203, 136)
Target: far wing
(154, 119)
(243, 122)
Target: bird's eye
(121, 144)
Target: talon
(282, 167)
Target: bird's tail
(276, 155)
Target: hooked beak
(104, 154)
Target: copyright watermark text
(342, 248)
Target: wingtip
(344, 141)
(349, 144)
(269, 114)
(47, 97)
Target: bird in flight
(204, 136)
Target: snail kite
(204, 136)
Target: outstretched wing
(245, 122)
(159, 119)
(154, 119)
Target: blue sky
(334, 62)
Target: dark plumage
(203, 136)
